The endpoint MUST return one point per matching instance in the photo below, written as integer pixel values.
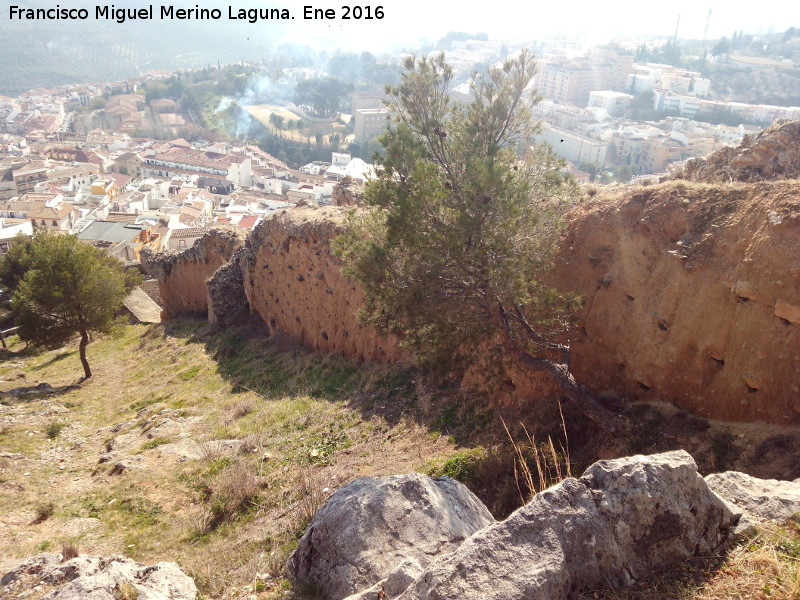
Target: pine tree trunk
(578, 393)
(87, 371)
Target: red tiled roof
(248, 222)
(40, 211)
(119, 179)
(187, 232)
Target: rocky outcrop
(227, 302)
(182, 275)
(371, 525)
(691, 295)
(398, 581)
(771, 154)
(619, 521)
(295, 284)
(760, 499)
(98, 578)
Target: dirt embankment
(295, 284)
(692, 295)
(182, 275)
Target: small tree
(13, 266)
(69, 288)
(453, 253)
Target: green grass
(154, 443)
(308, 422)
(462, 466)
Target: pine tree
(69, 288)
(461, 230)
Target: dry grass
(234, 492)
(551, 466)
(766, 567)
(69, 551)
(311, 495)
(240, 408)
(125, 590)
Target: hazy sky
(408, 20)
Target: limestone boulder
(402, 576)
(760, 499)
(98, 578)
(619, 521)
(372, 524)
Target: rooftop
(110, 231)
(189, 232)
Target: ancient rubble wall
(227, 301)
(182, 275)
(295, 284)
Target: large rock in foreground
(99, 578)
(373, 524)
(758, 498)
(619, 521)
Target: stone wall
(295, 284)
(182, 275)
(691, 294)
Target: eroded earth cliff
(691, 295)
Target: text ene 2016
(347, 12)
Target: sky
(406, 21)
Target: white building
(572, 146)
(614, 103)
(370, 123)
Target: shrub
(69, 550)
(44, 511)
(54, 429)
(233, 492)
